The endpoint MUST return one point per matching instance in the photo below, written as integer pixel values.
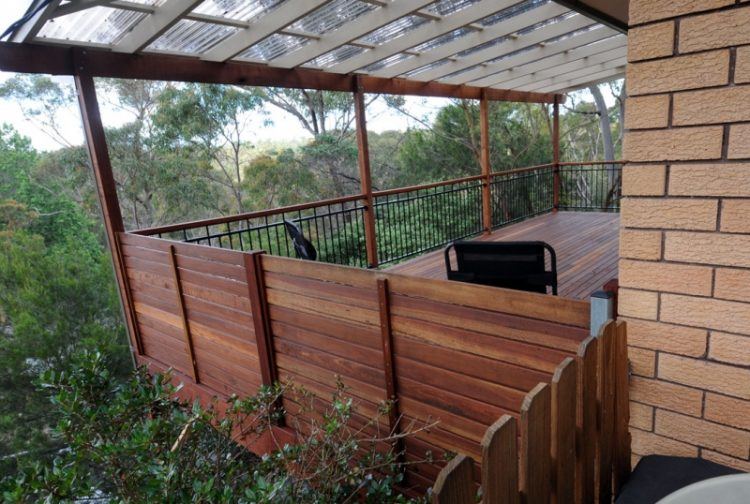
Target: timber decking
(586, 244)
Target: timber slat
(454, 484)
(622, 409)
(563, 421)
(535, 466)
(587, 429)
(606, 397)
(499, 463)
(344, 330)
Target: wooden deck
(586, 244)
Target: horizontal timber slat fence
(462, 355)
(410, 220)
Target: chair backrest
(513, 265)
(302, 246)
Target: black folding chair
(512, 265)
(302, 246)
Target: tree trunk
(609, 147)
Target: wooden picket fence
(572, 444)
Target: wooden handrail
(522, 170)
(592, 163)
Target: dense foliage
(133, 441)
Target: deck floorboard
(586, 244)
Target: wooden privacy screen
(574, 444)
(461, 354)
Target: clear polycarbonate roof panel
(448, 7)
(333, 15)
(434, 64)
(443, 39)
(98, 25)
(192, 37)
(513, 10)
(385, 63)
(336, 56)
(274, 46)
(394, 30)
(239, 10)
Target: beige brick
(727, 411)
(648, 443)
(669, 213)
(639, 304)
(739, 141)
(666, 277)
(666, 395)
(634, 459)
(642, 362)
(644, 180)
(729, 179)
(734, 216)
(635, 244)
(717, 314)
(710, 435)
(711, 106)
(721, 378)
(667, 338)
(681, 144)
(694, 71)
(729, 348)
(641, 416)
(643, 11)
(740, 465)
(715, 30)
(708, 248)
(742, 65)
(732, 284)
(652, 41)
(643, 112)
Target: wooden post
(107, 192)
(586, 428)
(622, 409)
(183, 313)
(391, 385)
(484, 129)
(364, 174)
(564, 400)
(259, 306)
(556, 153)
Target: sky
(282, 128)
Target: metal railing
(335, 227)
(592, 186)
(410, 220)
(516, 195)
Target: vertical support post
(364, 174)
(556, 153)
(484, 129)
(602, 310)
(106, 191)
(259, 306)
(391, 385)
(183, 313)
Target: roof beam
(607, 66)
(27, 31)
(574, 59)
(560, 28)
(595, 14)
(563, 69)
(265, 26)
(489, 72)
(350, 31)
(422, 34)
(154, 25)
(490, 33)
(37, 58)
(72, 7)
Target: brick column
(685, 238)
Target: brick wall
(685, 238)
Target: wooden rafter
(614, 67)
(585, 80)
